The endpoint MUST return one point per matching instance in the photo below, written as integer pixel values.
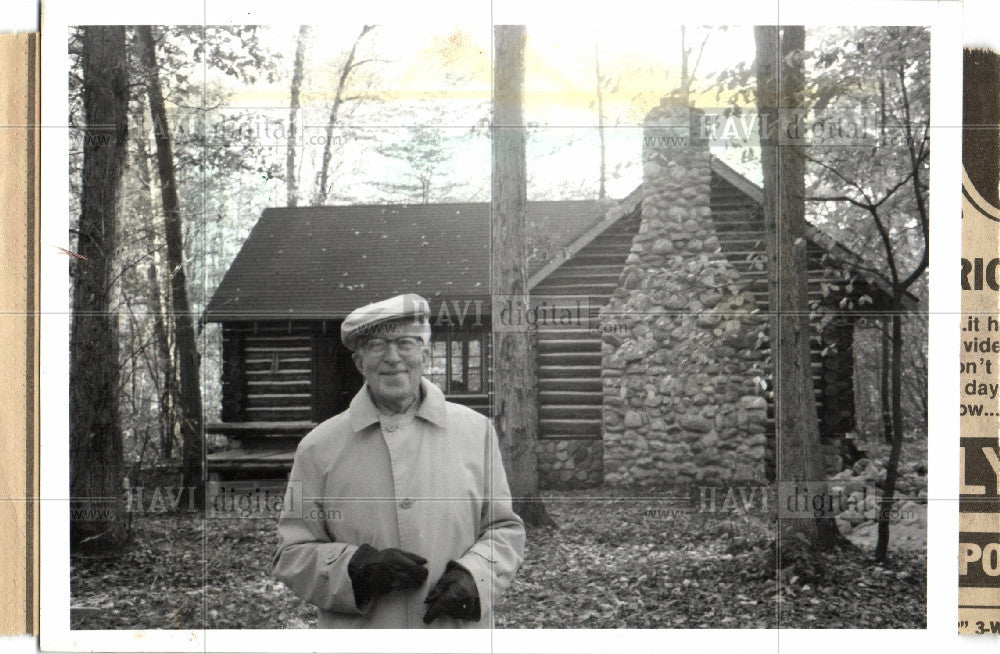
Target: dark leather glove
(375, 572)
(454, 595)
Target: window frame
(465, 338)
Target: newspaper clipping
(979, 517)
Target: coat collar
(363, 412)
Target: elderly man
(404, 515)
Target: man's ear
(356, 357)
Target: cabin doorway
(336, 379)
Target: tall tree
(167, 391)
(293, 114)
(901, 282)
(514, 361)
(96, 459)
(212, 186)
(884, 192)
(323, 178)
(188, 358)
(780, 81)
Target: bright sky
(642, 61)
(441, 75)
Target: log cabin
(302, 270)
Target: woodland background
(263, 117)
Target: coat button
(405, 504)
(390, 428)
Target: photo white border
(945, 21)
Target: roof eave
(622, 208)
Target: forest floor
(615, 559)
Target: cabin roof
(324, 262)
(321, 263)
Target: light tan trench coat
(440, 493)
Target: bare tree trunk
(323, 179)
(96, 459)
(164, 348)
(892, 467)
(514, 361)
(168, 389)
(293, 112)
(886, 386)
(602, 190)
(900, 286)
(189, 361)
(780, 81)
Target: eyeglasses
(380, 346)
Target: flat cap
(365, 320)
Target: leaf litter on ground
(610, 563)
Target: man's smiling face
(392, 361)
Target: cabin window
(457, 364)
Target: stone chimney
(683, 400)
